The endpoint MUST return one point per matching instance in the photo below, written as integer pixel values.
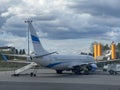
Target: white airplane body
(63, 61)
(76, 63)
(79, 64)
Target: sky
(65, 26)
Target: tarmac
(47, 79)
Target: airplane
(78, 64)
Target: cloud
(97, 8)
(15, 25)
(8, 39)
(114, 34)
(62, 19)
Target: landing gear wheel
(59, 71)
(81, 70)
(77, 72)
(86, 72)
(116, 73)
(111, 72)
(15, 75)
(32, 74)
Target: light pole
(28, 21)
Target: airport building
(98, 51)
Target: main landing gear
(32, 74)
(59, 71)
(81, 70)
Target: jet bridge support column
(95, 50)
(99, 49)
(113, 49)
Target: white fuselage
(64, 61)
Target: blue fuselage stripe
(53, 64)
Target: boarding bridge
(20, 70)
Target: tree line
(16, 51)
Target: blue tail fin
(38, 49)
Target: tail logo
(35, 39)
